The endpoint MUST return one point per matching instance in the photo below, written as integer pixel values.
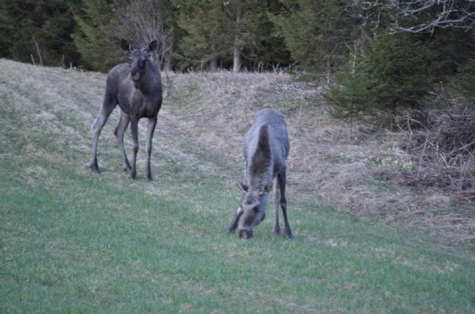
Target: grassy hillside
(74, 241)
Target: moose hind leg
(107, 108)
(277, 198)
(283, 204)
(119, 134)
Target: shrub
(392, 72)
(464, 81)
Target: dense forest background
(374, 56)
(318, 36)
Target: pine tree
(262, 49)
(225, 31)
(357, 92)
(407, 65)
(464, 81)
(392, 72)
(207, 32)
(92, 37)
(37, 31)
(316, 32)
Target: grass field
(76, 242)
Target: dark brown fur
(136, 87)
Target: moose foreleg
(135, 147)
(234, 222)
(283, 204)
(119, 134)
(152, 122)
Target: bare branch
(37, 51)
(141, 22)
(417, 16)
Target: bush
(464, 81)
(392, 72)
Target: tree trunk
(237, 49)
(213, 64)
(237, 60)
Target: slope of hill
(72, 241)
(331, 162)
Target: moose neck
(147, 84)
(260, 167)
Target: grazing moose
(137, 88)
(266, 146)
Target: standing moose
(266, 146)
(137, 88)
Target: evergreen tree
(394, 71)
(208, 36)
(37, 31)
(316, 32)
(464, 81)
(92, 37)
(171, 30)
(356, 93)
(223, 31)
(262, 49)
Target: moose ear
(152, 46)
(243, 186)
(125, 45)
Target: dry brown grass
(71, 231)
(330, 160)
(382, 175)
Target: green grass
(78, 242)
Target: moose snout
(135, 76)
(245, 233)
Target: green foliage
(212, 31)
(92, 37)
(262, 47)
(406, 65)
(37, 30)
(316, 32)
(356, 90)
(394, 71)
(464, 81)
(209, 32)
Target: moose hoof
(127, 168)
(94, 168)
